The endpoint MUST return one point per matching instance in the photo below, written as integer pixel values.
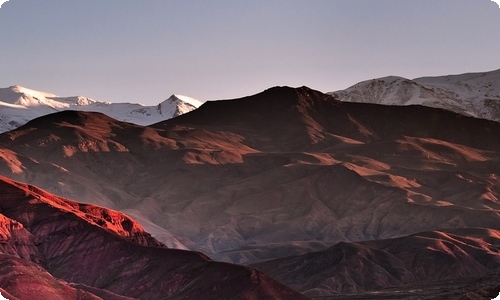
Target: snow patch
(189, 100)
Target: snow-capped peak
(189, 100)
(18, 105)
(22, 90)
(177, 105)
(473, 94)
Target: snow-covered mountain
(18, 105)
(473, 94)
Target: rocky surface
(54, 248)
(334, 187)
(284, 172)
(419, 259)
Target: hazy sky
(143, 51)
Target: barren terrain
(54, 248)
(280, 173)
(288, 173)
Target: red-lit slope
(103, 252)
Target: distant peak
(387, 79)
(16, 88)
(173, 97)
(186, 99)
(288, 91)
(22, 90)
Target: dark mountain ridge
(417, 259)
(280, 110)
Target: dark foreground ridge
(53, 248)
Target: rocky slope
(18, 105)
(280, 173)
(484, 287)
(471, 94)
(54, 248)
(428, 257)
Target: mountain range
(18, 105)
(472, 94)
(335, 199)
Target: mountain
(284, 172)
(471, 94)
(55, 248)
(18, 105)
(419, 259)
(329, 188)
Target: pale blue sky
(143, 51)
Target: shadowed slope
(366, 266)
(286, 115)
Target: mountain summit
(18, 105)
